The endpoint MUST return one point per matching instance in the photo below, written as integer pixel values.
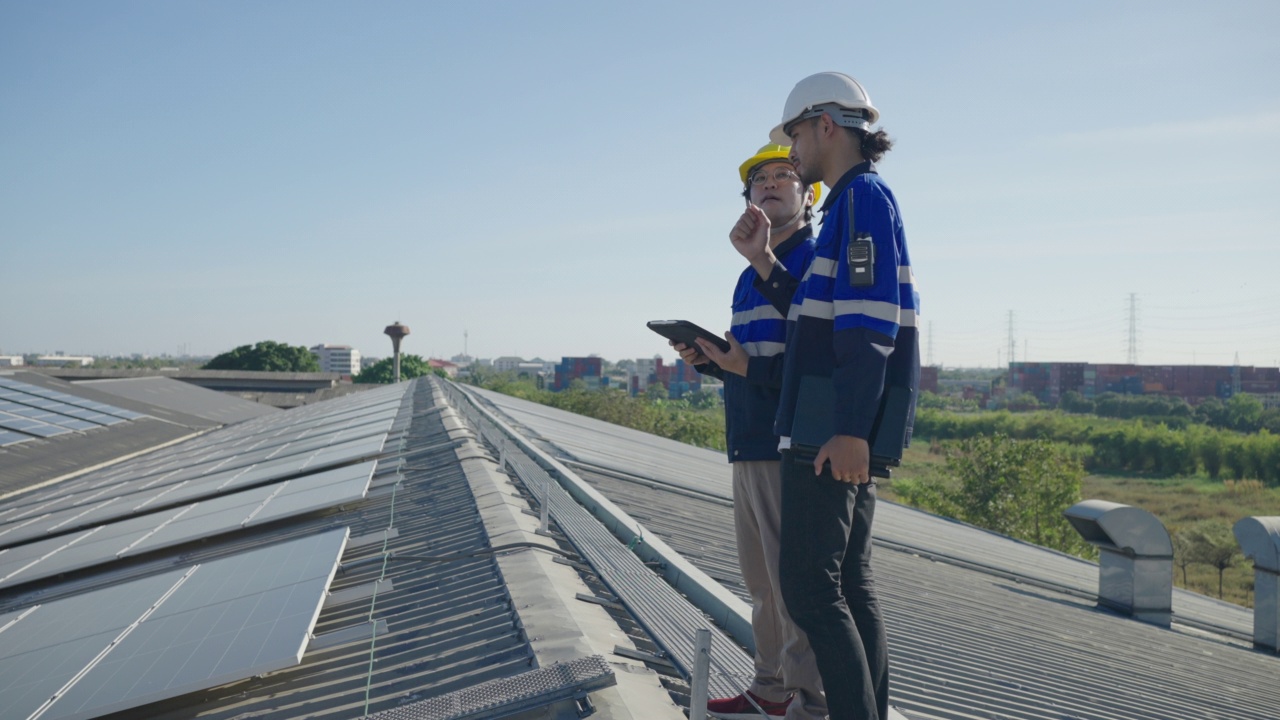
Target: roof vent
(1135, 558)
(1259, 538)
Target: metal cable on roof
(373, 601)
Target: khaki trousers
(784, 661)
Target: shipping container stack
(588, 369)
(1048, 382)
(929, 379)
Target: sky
(544, 178)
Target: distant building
(341, 359)
(10, 360)
(450, 368)
(590, 370)
(60, 360)
(548, 366)
(507, 363)
(678, 379)
(531, 369)
(1049, 381)
(646, 372)
(462, 359)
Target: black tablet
(683, 331)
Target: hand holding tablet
(683, 331)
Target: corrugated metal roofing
(1002, 639)
(89, 392)
(991, 627)
(179, 396)
(398, 627)
(38, 461)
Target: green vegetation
(1017, 488)
(267, 356)
(1111, 445)
(1015, 473)
(1197, 469)
(1182, 503)
(1242, 413)
(384, 371)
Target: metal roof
(39, 461)
(179, 396)
(402, 632)
(980, 625)
(425, 620)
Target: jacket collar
(800, 235)
(866, 166)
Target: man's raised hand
(750, 235)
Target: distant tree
(267, 356)
(656, 393)
(1213, 543)
(1074, 402)
(1244, 413)
(384, 371)
(1270, 420)
(1182, 550)
(704, 399)
(1212, 412)
(1014, 487)
(1022, 402)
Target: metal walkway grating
(662, 611)
(505, 696)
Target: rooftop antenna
(396, 332)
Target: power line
(1133, 329)
(1013, 342)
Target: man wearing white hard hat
(851, 335)
(786, 683)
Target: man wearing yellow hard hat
(787, 684)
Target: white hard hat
(833, 93)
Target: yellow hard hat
(772, 152)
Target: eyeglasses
(778, 177)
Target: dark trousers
(825, 573)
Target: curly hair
(873, 144)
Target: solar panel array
(106, 645)
(158, 637)
(199, 520)
(234, 458)
(30, 411)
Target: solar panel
(195, 460)
(17, 402)
(8, 437)
(154, 531)
(185, 630)
(239, 453)
(38, 396)
(46, 416)
(61, 515)
(9, 421)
